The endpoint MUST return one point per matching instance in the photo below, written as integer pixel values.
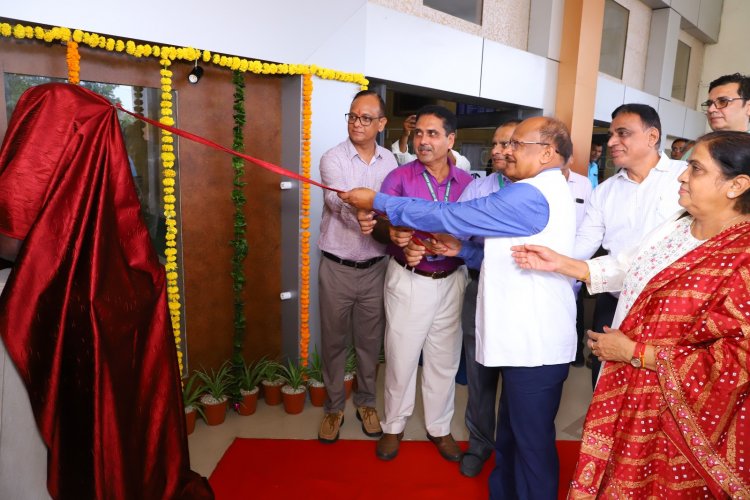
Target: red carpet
(286, 468)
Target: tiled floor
(207, 444)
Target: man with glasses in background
(352, 269)
(625, 207)
(728, 105)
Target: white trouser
(422, 315)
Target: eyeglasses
(365, 120)
(514, 144)
(720, 102)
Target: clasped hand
(612, 345)
(439, 244)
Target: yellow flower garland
(94, 40)
(304, 238)
(73, 58)
(168, 183)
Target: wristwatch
(639, 355)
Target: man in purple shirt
(351, 273)
(423, 304)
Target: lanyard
(501, 180)
(432, 190)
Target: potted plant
(272, 382)
(315, 385)
(191, 394)
(293, 392)
(215, 387)
(350, 371)
(247, 379)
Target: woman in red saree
(670, 417)
(84, 315)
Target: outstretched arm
(518, 210)
(361, 198)
(541, 258)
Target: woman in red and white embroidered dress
(670, 417)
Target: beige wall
(503, 21)
(729, 55)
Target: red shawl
(683, 430)
(84, 314)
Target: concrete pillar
(662, 52)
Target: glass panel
(614, 37)
(468, 10)
(681, 66)
(141, 141)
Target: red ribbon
(267, 165)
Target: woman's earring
(730, 194)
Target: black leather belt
(474, 274)
(436, 275)
(356, 264)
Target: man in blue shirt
(596, 153)
(525, 322)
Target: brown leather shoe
(329, 427)
(388, 444)
(370, 423)
(447, 447)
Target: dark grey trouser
(482, 383)
(351, 307)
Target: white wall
(282, 31)
(420, 52)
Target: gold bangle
(586, 276)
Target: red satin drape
(84, 314)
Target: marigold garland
(304, 223)
(164, 52)
(170, 213)
(73, 58)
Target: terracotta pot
(272, 392)
(214, 414)
(249, 402)
(348, 384)
(190, 421)
(294, 401)
(318, 394)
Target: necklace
(726, 225)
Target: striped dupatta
(684, 429)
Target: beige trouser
(423, 315)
